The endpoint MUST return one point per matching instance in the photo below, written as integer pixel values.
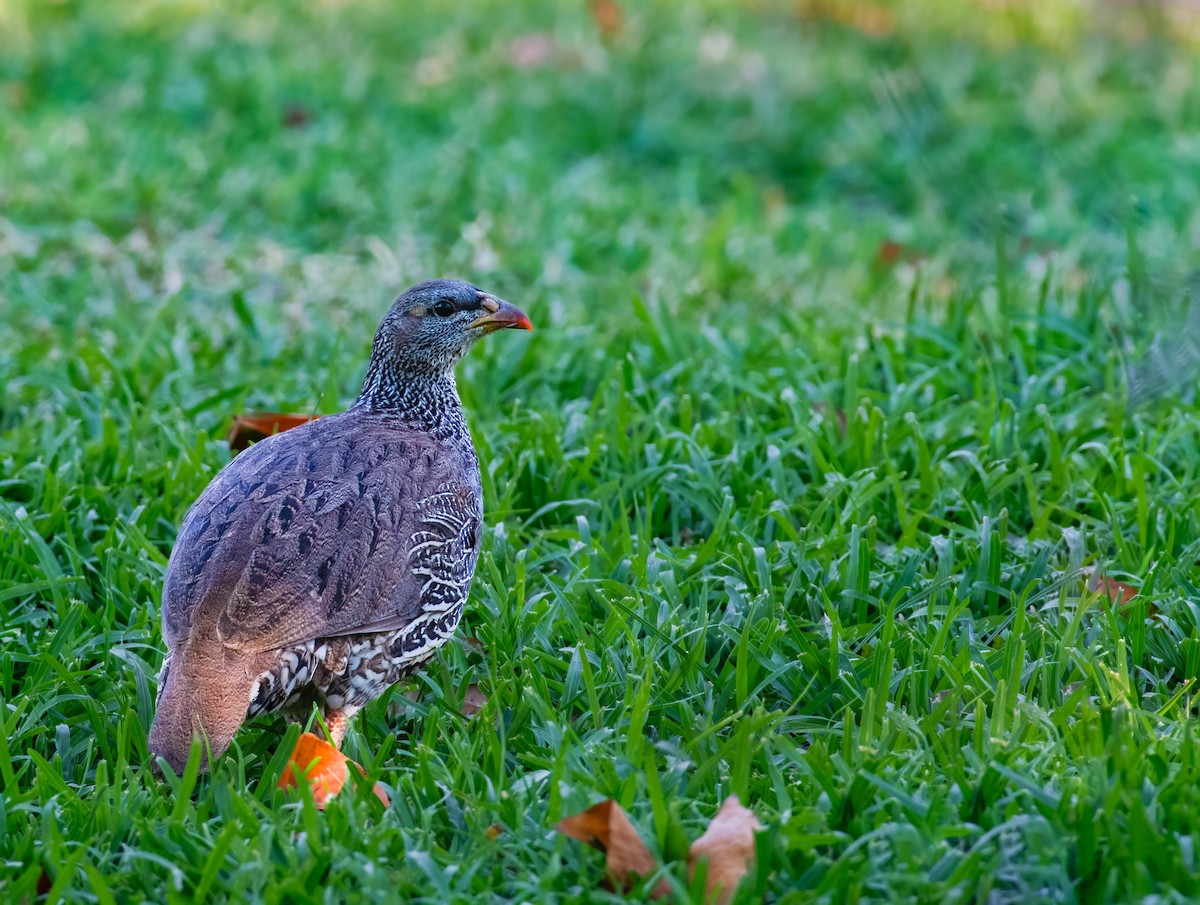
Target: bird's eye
(443, 307)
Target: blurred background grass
(529, 146)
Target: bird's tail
(202, 694)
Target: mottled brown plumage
(325, 563)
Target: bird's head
(433, 325)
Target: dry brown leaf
(608, 16)
(254, 426)
(606, 827)
(296, 116)
(473, 701)
(728, 846)
(890, 253)
(327, 769)
(1120, 593)
(872, 19)
(1116, 591)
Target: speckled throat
(428, 401)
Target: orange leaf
(327, 769)
(890, 253)
(254, 426)
(1117, 591)
(606, 827)
(872, 19)
(728, 845)
(607, 15)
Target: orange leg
(337, 722)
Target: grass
(732, 226)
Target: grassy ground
(729, 227)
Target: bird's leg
(337, 721)
(336, 724)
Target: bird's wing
(324, 531)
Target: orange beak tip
(504, 317)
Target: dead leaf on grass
(1120, 593)
(728, 846)
(473, 701)
(1116, 591)
(608, 16)
(606, 827)
(327, 770)
(890, 253)
(296, 116)
(871, 19)
(254, 426)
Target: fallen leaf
(607, 15)
(255, 426)
(872, 19)
(606, 827)
(1120, 593)
(728, 846)
(890, 253)
(296, 116)
(324, 766)
(473, 701)
(1117, 591)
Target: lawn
(864, 349)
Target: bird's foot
(323, 766)
(336, 724)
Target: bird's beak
(500, 316)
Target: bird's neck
(426, 400)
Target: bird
(324, 564)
